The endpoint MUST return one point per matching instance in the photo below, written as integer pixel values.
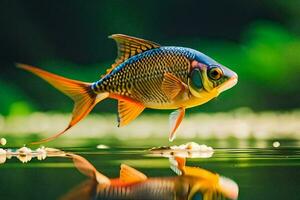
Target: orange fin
(131, 175)
(180, 163)
(80, 92)
(128, 111)
(175, 119)
(129, 46)
(85, 190)
(82, 164)
(86, 168)
(172, 85)
(177, 164)
(201, 173)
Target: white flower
(2, 156)
(41, 153)
(24, 154)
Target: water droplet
(102, 146)
(276, 144)
(3, 141)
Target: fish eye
(197, 196)
(196, 79)
(215, 73)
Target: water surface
(261, 173)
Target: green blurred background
(259, 39)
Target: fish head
(205, 184)
(208, 76)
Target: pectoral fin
(131, 175)
(174, 120)
(177, 164)
(172, 85)
(128, 111)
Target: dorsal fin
(131, 175)
(129, 46)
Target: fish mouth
(228, 84)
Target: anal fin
(128, 111)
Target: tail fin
(86, 168)
(80, 92)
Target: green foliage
(12, 101)
(20, 108)
(258, 41)
(266, 60)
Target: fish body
(153, 188)
(146, 75)
(140, 78)
(192, 183)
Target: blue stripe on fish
(187, 52)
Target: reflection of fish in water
(146, 75)
(193, 184)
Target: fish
(191, 183)
(145, 75)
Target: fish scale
(145, 73)
(156, 188)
